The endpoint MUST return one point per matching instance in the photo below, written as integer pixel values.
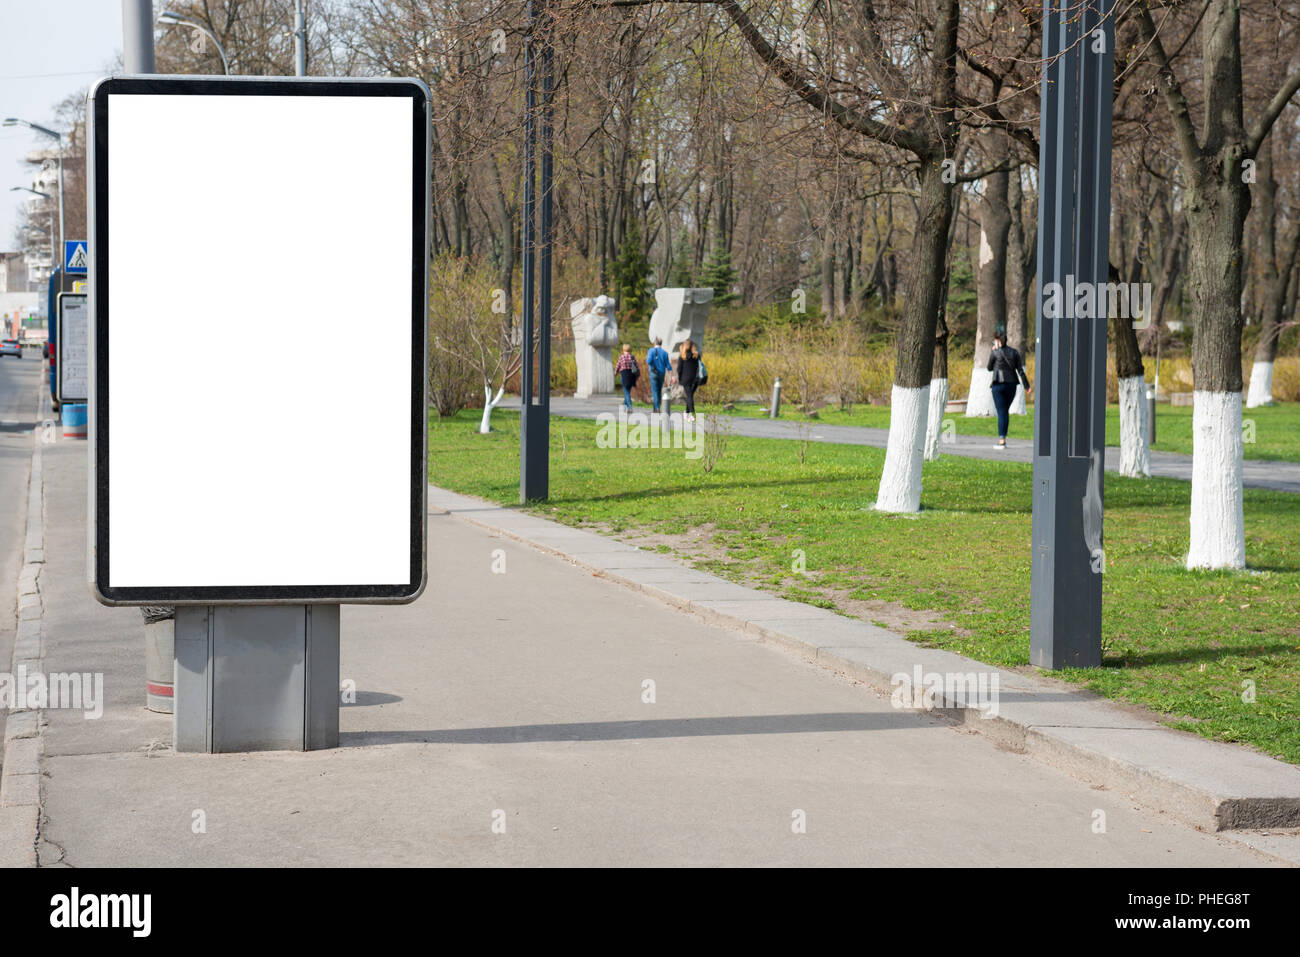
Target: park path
(1256, 473)
(515, 692)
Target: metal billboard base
(256, 678)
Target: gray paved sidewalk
(1277, 476)
(1210, 784)
(525, 693)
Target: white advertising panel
(249, 444)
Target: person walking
(656, 360)
(688, 374)
(627, 372)
(1006, 365)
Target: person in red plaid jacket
(627, 372)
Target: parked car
(11, 347)
(45, 349)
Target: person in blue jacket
(656, 360)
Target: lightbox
(258, 419)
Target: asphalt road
(19, 382)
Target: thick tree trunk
(1276, 282)
(1020, 265)
(900, 480)
(1218, 538)
(1271, 321)
(1215, 216)
(991, 312)
(938, 391)
(1289, 308)
(1134, 448)
(1170, 269)
(506, 274)
(828, 271)
(1017, 281)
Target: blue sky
(48, 49)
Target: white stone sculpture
(595, 334)
(680, 314)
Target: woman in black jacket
(688, 374)
(1006, 365)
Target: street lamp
(46, 196)
(58, 138)
(167, 18)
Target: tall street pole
(534, 426)
(1070, 362)
(544, 283)
(299, 41)
(137, 36)
(159, 624)
(61, 235)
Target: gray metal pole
(542, 428)
(533, 430)
(137, 57)
(62, 236)
(1073, 249)
(299, 41)
(137, 36)
(774, 409)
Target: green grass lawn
(1276, 429)
(1183, 644)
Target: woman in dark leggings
(1006, 365)
(688, 374)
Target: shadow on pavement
(662, 728)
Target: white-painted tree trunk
(489, 403)
(934, 424)
(1261, 385)
(1218, 524)
(979, 400)
(1134, 450)
(900, 482)
(1018, 406)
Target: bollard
(159, 658)
(74, 421)
(1151, 417)
(775, 410)
(666, 400)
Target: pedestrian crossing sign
(75, 257)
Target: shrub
(1286, 379)
(471, 345)
(564, 372)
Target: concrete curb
(1209, 784)
(20, 775)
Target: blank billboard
(258, 416)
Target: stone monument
(680, 314)
(595, 334)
